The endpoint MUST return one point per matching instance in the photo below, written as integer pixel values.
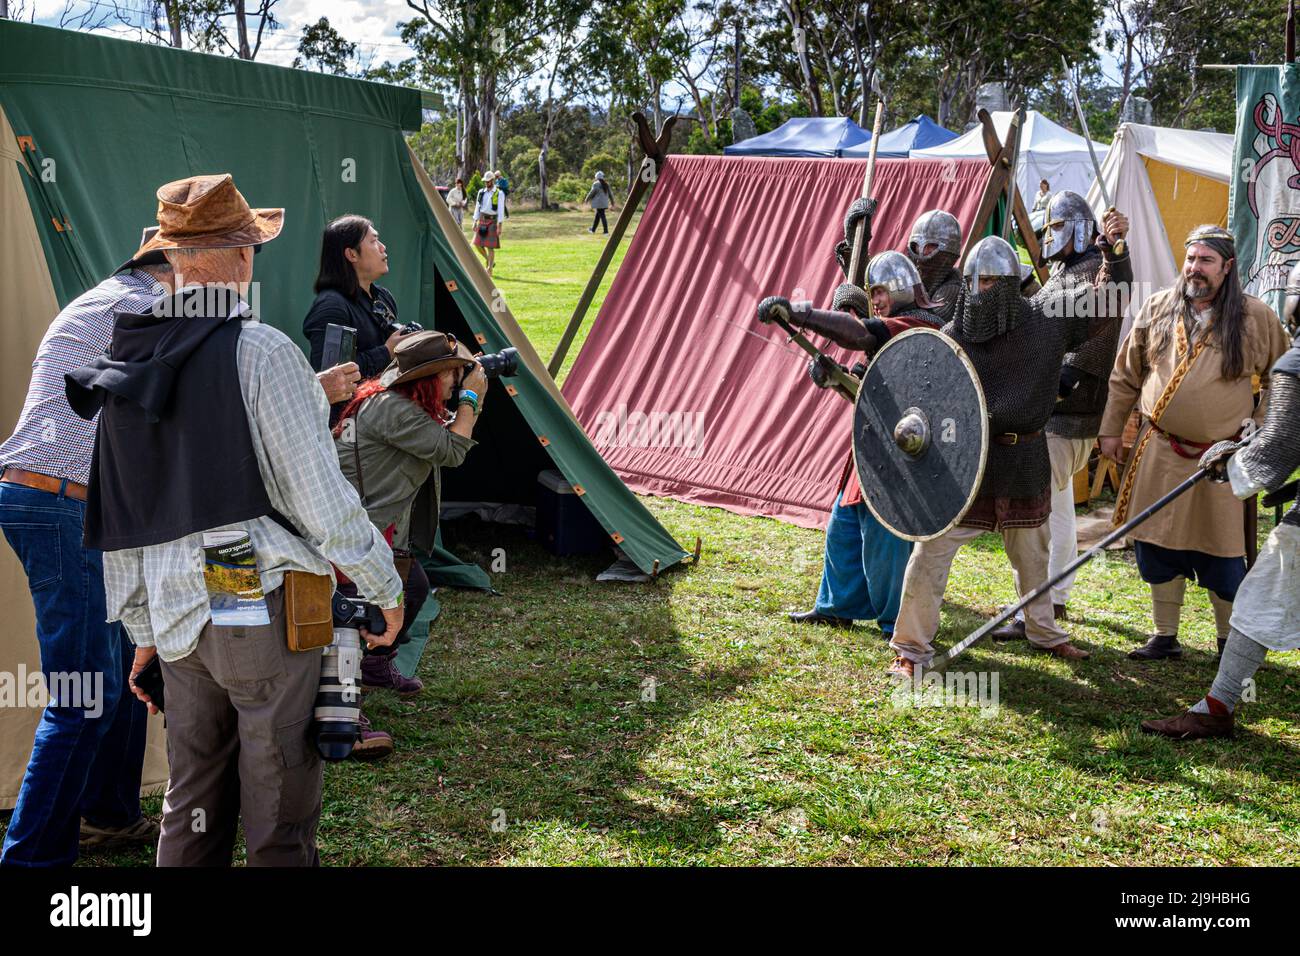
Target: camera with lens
(494, 365)
(338, 695)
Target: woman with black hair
(351, 260)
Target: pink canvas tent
(682, 392)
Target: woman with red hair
(392, 439)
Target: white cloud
(371, 24)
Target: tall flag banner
(1264, 200)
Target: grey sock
(1241, 658)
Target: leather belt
(1178, 443)
(32, 479)
(1015, 438)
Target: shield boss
(920, 434)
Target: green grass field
(686, 722)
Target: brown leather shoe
(1068, 651)
(1190, 726)
(902, 667)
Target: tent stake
(698, 544)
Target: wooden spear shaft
(858, 264)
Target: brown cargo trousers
(239, 710)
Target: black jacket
(374, 317)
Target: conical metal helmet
(938, 227)
(991, 256)
(895, 272)
(1068, 217)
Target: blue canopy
(806, 136)
(920, 133)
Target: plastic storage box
(564, 525)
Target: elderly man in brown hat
(213, 431)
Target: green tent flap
(111, 120)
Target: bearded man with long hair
(1189, 364)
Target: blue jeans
(862, 573)
(88, 754)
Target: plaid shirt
(50, 438)
(159, 592)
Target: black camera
(406, 328)
(338, 695)
(494, 365)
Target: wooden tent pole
(999, 169)
(655, 150)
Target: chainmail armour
(1274, 454)
(1016, 348)
(941, 279)
(1079, 414)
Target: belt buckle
(1014, 436)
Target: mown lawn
(687, 722)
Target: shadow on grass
(1093, 710)
(538, 709)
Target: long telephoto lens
(338, 696)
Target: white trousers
(926, 579)
(1068, 456)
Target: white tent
(1166, 181)
(1047, 151)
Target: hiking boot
(371, 744)
(1190, 726)
(379, 672)
(143, 832)
(1158, 648)
(812, 617)
(1067, 651)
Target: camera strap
(356, 452)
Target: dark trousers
(601, 220)
(88, 752)
(239, 716)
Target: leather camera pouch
(309, 618)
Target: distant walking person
(489, 212)
(601, 198)
(457, 200)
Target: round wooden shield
(920, 434)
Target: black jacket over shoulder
(374, 317)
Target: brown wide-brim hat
(208, 212)
(424, 354)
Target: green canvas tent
(91, 126)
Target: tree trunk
(241, 28)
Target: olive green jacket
(401, 451)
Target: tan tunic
(1183, 390)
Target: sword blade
(1083, 125)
